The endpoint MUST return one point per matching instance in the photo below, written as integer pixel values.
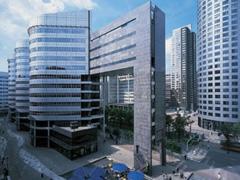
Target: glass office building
(22, 84)
(11, 88)
(60, 89)
(218, 62)
(3, 92)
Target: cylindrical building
(59, 56)
(11, 87)
(3, 93)
(22, 84)
(218, 62)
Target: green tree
(169, 122)
(227, 131)
(116, 133)
(179, 124)
(230, 131)
(120, 117)
(236, 130)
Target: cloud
(15, 16)
(168, 54)
(86, 4)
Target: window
(235, 116)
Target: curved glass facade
(22, 84)
(218, 44)
(59, 53)
(11, 87)
(3, 92)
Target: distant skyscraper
(11, 87)
(3, 92)
(168, 90)
(218, 62)
(60, 89)
(22, 84)
(183, 67)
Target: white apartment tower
(218, 62)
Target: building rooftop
(81, 128)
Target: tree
(116, 133)
(236, 130)
(179, 126)
(227, 131)
(169, 122)
(189, 122)
(120, 117)
(230, 131)
(128, 118)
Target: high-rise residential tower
(11, 87)
(218, 62)
(60, 89)
(168, 90)
(129, 56)
(3, 92)
(22, 84)
(183, 67)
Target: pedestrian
(42, 175)
(181, 175)
(3, 159)
(219, 176)
(185, 157)
(177, 170)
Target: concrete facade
(135, 44)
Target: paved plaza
(205, 160)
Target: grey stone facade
(136, 43)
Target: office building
(74, 142)
(3, 93)
(22, 84)
(183, 68)
(129, 57)
(61, 90)
(218, 62)
(11, 88)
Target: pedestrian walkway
(3, 162)
(197, 154)
(227, 173)
(27, 157)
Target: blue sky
(16, 14)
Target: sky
(16, 14)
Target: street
(26, 163)
(17, 168)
